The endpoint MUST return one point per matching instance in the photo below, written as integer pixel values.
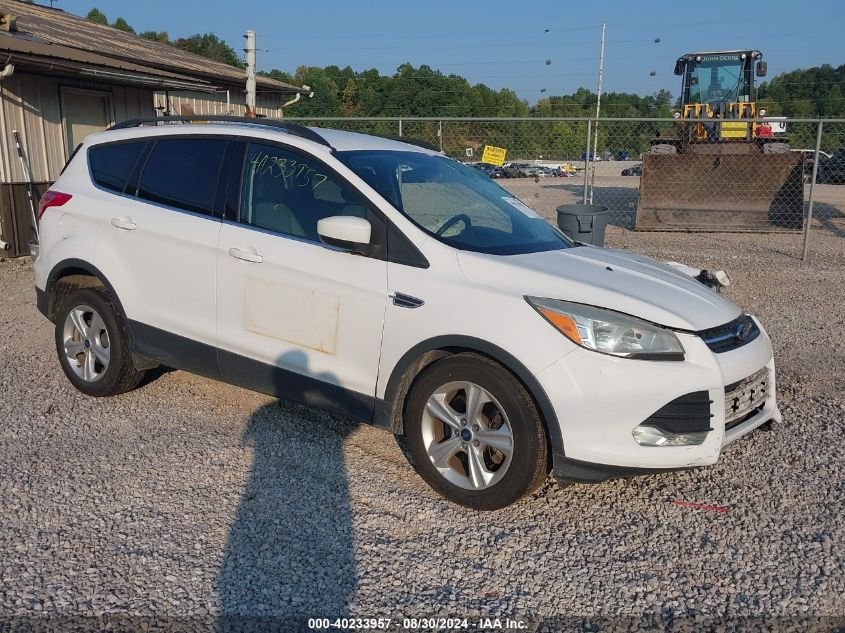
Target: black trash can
(583, 222)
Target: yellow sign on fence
(494, 155)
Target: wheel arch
(426, 352)
(77, 271)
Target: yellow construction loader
(721, 166)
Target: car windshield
(457, 204)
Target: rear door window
(183, 173)
(112, 164)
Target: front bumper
(600, 399)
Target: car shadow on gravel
(826, 215)
(289, 554)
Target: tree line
(806, 93)
(208, 45)
(424, 91)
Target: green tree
(211, 47)
(809, 92)
(156, 36)
(122, 25)
(97, 17)
(349, 98)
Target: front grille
(689, 413)
(730, 336)
(746, 398)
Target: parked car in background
(527, 170)
(384, 281)
(510, 170)
(519, 170)
(809, 156)
(832, 169)
(633, 170)
(491, 171)
(558, 172)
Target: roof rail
(291, 128)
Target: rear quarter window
(112, 164)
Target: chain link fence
(654, 174)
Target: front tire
(474, 433)
(92, 343)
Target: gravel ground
(191, 504)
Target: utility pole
(250, 72)
(598, 107)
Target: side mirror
(345, 231)
(762, 67)
(680, 65)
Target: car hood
(607, 278)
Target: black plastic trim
(731, 335)
(207, 360)
(290, 385)
(459, 342)
(402, 300)
(174, 350)
(689, 413)
(89, 268)
(568, 470)
(42, 302)
(672, 356)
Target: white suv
(387, 282)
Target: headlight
(609, 332)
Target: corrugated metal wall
(31, 104)
(267, 104)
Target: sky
(504, 43)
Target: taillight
(52, 199)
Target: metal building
(62, 77)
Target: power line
(430, 35)
(498, 45)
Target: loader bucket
(721, 192)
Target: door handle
(124, 223)
(239, 253)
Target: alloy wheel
(86, 343)
(467, 435)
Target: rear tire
(484, 460)
(92, 343)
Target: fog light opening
(649, 436)
(652, 436)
